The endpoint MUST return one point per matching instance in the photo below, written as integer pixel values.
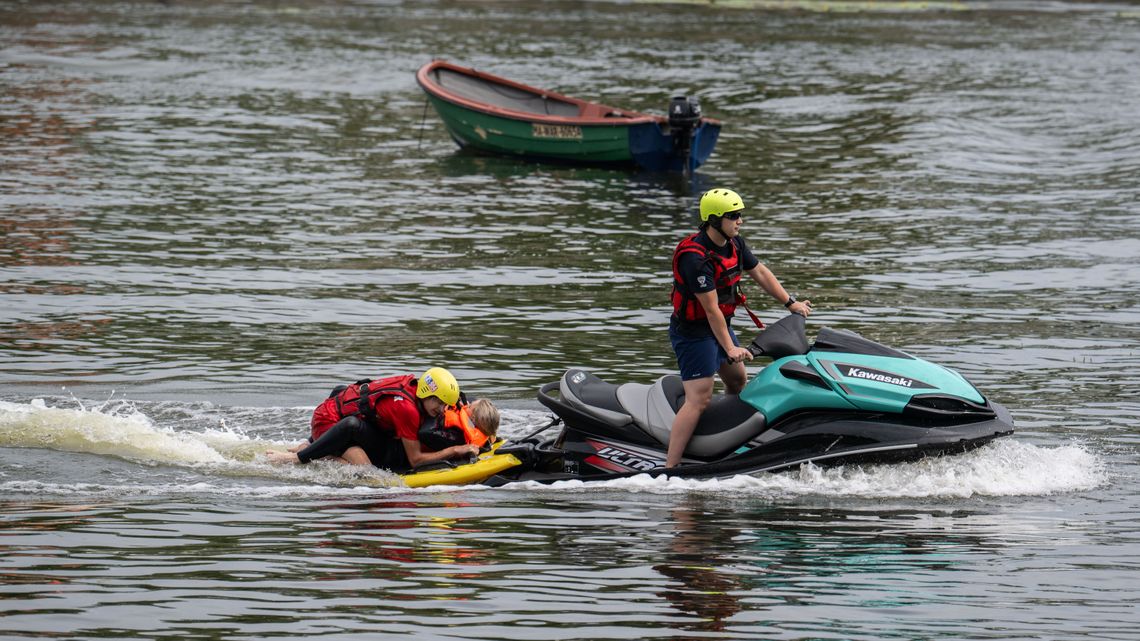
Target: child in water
(474, 423)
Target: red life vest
(362, 396)
(460, 419)
(726, 275)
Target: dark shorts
(699, 356)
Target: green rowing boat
(499, 116)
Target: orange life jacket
(460, 418)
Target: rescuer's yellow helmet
(718, 202)
(439, 383)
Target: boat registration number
(556, 131)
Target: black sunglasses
(734, 215)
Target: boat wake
(198, 438)
(223, 459)
(1001, 468)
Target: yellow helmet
(718, 202)
(439, 383)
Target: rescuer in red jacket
(376, 422)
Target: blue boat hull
(652, 148)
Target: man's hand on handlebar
(739, 354)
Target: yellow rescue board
(487, 466)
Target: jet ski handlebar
(785, 337)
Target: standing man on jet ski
(707, 267)
(376, 423)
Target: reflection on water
(708, 590)
(692, 568)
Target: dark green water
(211, 212)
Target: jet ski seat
(725, 424)
(588, 393)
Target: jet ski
(843, 399)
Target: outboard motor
(684, 116)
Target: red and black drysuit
(373, 415)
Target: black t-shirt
(698, 275)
